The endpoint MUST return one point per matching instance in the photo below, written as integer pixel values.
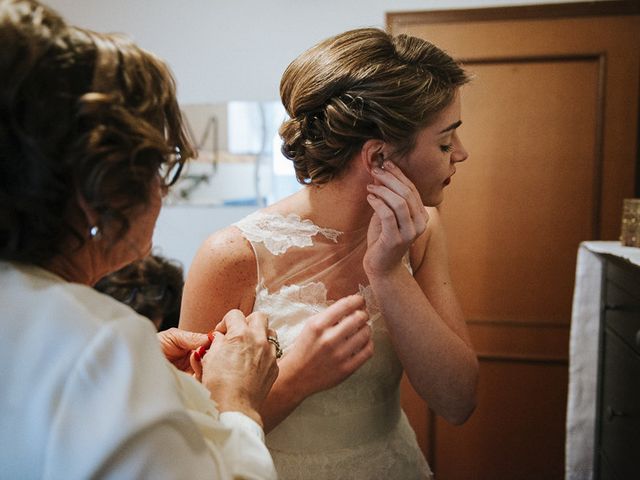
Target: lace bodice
(302, 269)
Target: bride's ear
(372, 154)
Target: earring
(94, 232)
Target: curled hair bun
(360, 85)
(293, 137)
(319, 142)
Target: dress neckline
(294, 219)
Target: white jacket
(85, 392)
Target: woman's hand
(399, 218)
(179, 345)
(333, 344)
(240, 366)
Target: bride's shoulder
(228, 245)
(225, 265)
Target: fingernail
(388, 164)
(376, 170)
(201, 351)
(211, 336)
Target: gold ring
(275, 343)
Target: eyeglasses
(171, 169)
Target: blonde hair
(359, 85)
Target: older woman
(90, 140)
(373, 135)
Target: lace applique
(313, 294)
(369, 299)
(278, 233)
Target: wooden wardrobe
(551, 125)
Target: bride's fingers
(397, 204)
(394, 170)
(393, 178)
(395, 229)
(390, 178)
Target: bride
(373, 137)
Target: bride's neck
(340, 204)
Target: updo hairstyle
(82, 115)
(359, 85)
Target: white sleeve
(121, 415)
(245, 452)
(237, 437)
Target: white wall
(223, 50)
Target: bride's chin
(432, 200)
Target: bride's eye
(446, 148)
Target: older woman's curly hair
(359, 85)
(83, 117)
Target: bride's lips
(448, 180)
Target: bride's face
(432, 162)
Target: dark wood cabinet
(617, 443)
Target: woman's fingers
(196, 366)
(354, 341)
(234, 321)
(258, 320)
(359, 357)
(351, 324)
(335, 313)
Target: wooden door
(551, 124)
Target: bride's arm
(333, 344)
(423, 316)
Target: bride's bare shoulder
(223, 273)
(226, 249)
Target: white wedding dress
(357, 429)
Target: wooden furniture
(603, 409)
(617, 442)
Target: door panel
(519, 436)
(517, 209)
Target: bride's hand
(399, 218)
(333, 344)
